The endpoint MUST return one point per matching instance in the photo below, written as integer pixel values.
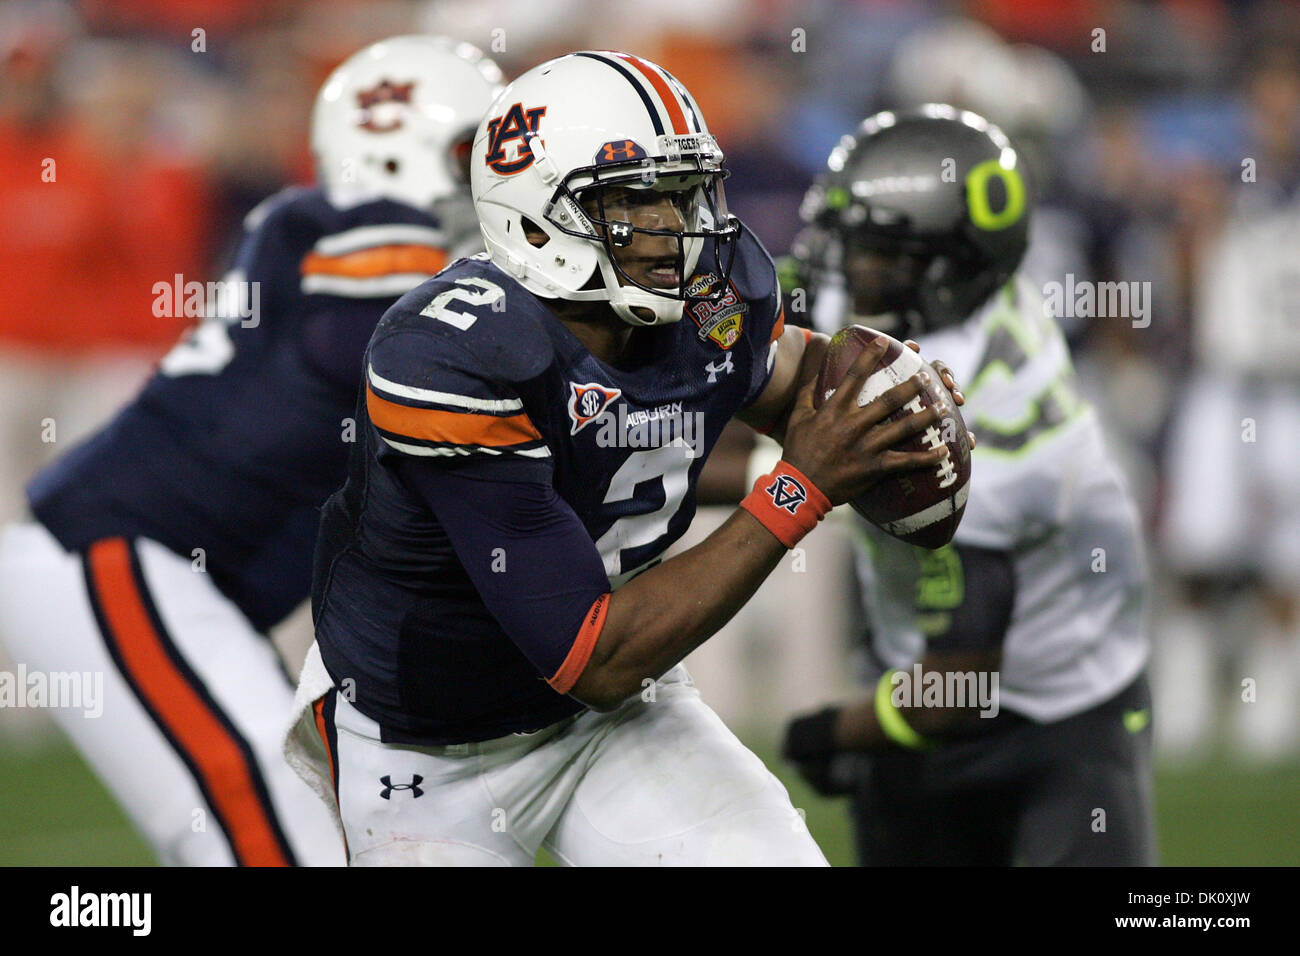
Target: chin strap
(622, 299)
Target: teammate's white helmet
(577, 124)
(392, 118)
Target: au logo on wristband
(787, 493)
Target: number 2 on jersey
(489, 293)
(669, 463)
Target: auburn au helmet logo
(379, 106)
(508, 151)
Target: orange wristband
(787, 503)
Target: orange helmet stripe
(675, 114)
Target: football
(920, 507)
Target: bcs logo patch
(722, 321)
(381, 107)
(788, 493)
(588, 402)
(511, 131)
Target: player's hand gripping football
(845, 448)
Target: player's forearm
(663, 614)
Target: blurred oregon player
(917, 229)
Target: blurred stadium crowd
(1165, 138)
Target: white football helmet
(396, 120)
(578, 124)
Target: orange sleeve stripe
(208, 745)
(457, 428)
(576, 660)
(779, 329)
(379, 261)
(807, 335)
(318, 708)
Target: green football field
(53, 812)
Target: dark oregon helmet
(925, 214)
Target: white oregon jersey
(1043, 488)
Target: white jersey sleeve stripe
(390, 285)
(447, 451)
(493, 405)
(366, 237)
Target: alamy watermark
(232, 298)
(947, 689)
(72, 690)
(652, 428)
(133, 911)
(1081, 299)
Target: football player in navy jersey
(165, 547)
(497, 652)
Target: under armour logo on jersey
(588, 402)
(714, 369)
(511, 130)
(380, 106)
(787, 493)
(389, 786)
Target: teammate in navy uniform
(236, 440)
(171, 541)
(498, 641)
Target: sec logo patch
(587, 403)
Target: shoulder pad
(482, 314)
(273, 203)
(431, 393)
(379, 249)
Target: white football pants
(660, 781)
(194, 700)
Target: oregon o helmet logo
(977, 196)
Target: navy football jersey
(508, 480)
(243, 430)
